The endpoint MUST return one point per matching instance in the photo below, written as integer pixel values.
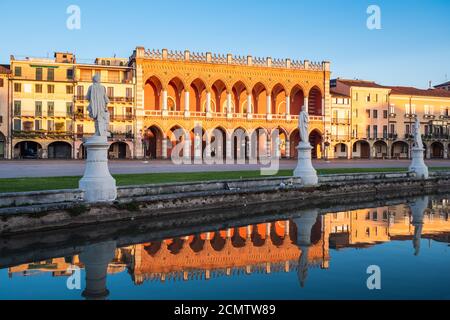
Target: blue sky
(412, 48)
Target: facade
(4, 111)
(184, 90)
(340, 132)
(432, 108)
(118, 80)
(369, 118)
(42, 107)
(49, 110)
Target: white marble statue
(303, 125)
(417, 136)
(98, 101)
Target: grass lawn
(55, 183)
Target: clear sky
(412, 48)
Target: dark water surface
(307, 256)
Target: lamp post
(326, 145)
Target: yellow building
(180, 90)
(432, 108)
(369, 118)
(340, 133)
(42, 107)
(4, 111)
(118, 80)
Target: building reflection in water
(283, 246)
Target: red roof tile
(4, 69)
(361, 83)
(411, 91)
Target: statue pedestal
(305, 169)
(418, 164)
(97, 183)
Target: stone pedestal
(97, 183)
(305, 169)
(96, 259)
(418, 164)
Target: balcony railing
(343, 121)
(121, 118)
(120, 99)
(410, 115)
(41, 134)
(341, 137)
(121, 135)
(435, 136)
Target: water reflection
(293, 245)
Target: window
(113, 76)
(28, 125)
(38, 109)
(69, 74)
(368, 131)
(50, 108)
(356, 96)
(407, 130)
(17, 108)
(69, 126)
(50, 88)
(354, 148)
(38, 88)
(17, 87)
(392, 109)
(110, 92)
(368, 113)
(80, 92)
(375, 131)
(385, 114)
(59, 126)
(18, 71)
(393, 128)
(368, 98)
(375, 114)
(376, 97)
(37, 125)
(50, 74)
(343, 147)
(17, 125)
(50, 125)
(69, 89)
(1, 83)
(39, 74)
(129, 93)
(69, 109)
(385, 132)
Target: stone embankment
(37, 211)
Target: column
(164, 103)
(229, 152)
(249, 106)
(164, 148)
(229, 111)
(208, 104)
(269, 107)
(306, 104)
(288, 107)
(187, 148)
(288, 149)
(186, 103)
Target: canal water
(395, 251)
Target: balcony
(121, 99)
(435, 136)
(121, 136)
(121, 117)
(392, 136)
(80, 98)
(42, 134)
(392, 115)
(342, 121)
(410, 115)
(429, 116)
(340, 138)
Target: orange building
(178, 90)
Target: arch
(283, 142)
(219, 146)
(219, 96)
(361, 149)
(294, 140)
(173, 139)
(400, 150)
(380, 149)
(119, 150)
(278, 99)
(316, 139)
(259, 94)
(297, 99)
(152, 93)
(239, 91)
(315, 101)
(175, 96)
(341, 151)
(82, 153)
(152, 142)
(2, 146)
(437, 150)
(258, 143)
(240, 144)
(198, 88)
(28, 150)
(60, 150)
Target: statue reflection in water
(305, 222)
(96, 259)
(418, 208)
